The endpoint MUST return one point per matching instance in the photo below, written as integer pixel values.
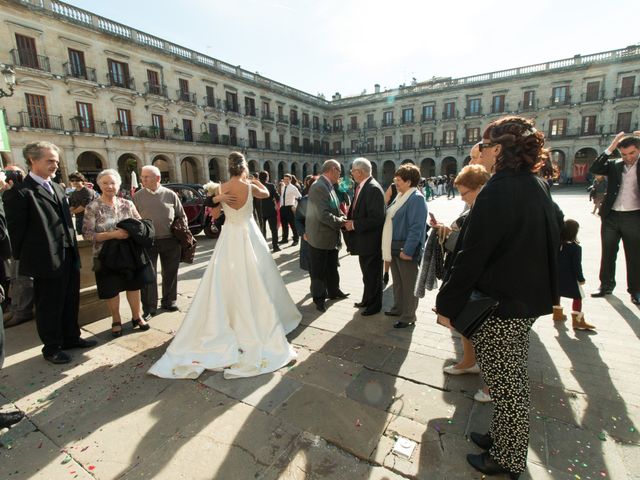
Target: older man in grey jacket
(323, 224)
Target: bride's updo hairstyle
(237, 164)
(522, 145)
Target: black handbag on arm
(476, 311)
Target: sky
(347, 46)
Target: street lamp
(10, 79)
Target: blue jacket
(410, 225)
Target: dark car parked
(192, 197)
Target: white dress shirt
(290, 195)
(628, 199)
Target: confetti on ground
(92, 467)
(358, 424)
(66, 459)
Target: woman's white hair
(113, 173)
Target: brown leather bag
(188, 243)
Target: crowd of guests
(510, 225)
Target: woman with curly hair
(509, 253)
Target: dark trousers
(616, 226)
(287, 218)
(371, 268)
(325, 279)
(168, 249)
(405, 303)
(57, 301)
(273, 226)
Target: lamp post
(10, 79)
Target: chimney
(377, 87)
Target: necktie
(48, 187)
(284, 196)
(355, 195)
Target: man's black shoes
(79, 343)
(10, 418)
(58, 357)
(339, 296)
(601, 292)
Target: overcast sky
(347, 46)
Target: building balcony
(188, 97)
(407, 146)
(446, 115)
(428, 118)
(427, 144)
(36, 120)
(282, 119)
(337, 128)
(388, 123)
(449, 143)
(80, 125)
(407, 121)
(388, 147)
(267, 117)
(306, 125)
(593, 97)
(250, 111)
(620, 93)
(155, 89)
(81, 72)
(231, 107)
(121, 81)
(499, 109)
(353, 127)
(473, 112)
(294, 122)
(370, 125)
(316, 127)
(212, 102)
(470, 141)
(559, 101)
(530, 107)
(29, 59)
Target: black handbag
(478, 308)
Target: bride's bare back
(236, 191)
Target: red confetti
(40, 446)
(92, 467)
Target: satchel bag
(477, 310)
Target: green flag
(4, 136)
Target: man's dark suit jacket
(368, 219)
(613, 169)
(508, 250)
(40, 228)
(269, 204)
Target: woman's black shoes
(116, 333)
(487, 465)
(403, 324)
(484, 441)
(137, 322)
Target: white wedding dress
(240, 313)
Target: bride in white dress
(242, 310)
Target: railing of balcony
(121, 81)
(34, 120)
(29, 59)
(522, 107)
(188, 97)
(428, 118)
(559, 101)
(449, 143)
(370, 125)
(250, 111)
(283, 119)
(427, 144)
(231, 107)
(406, 121)
(388, 122)
(267, 117)
(80, 125)
(407, 146)
(448, 115)
(80, 71)
(353, 127)
(295, 122)
(155, 89)
(592, 97)
(626, 92)
(472, 112)
(306, 125)
(500, 108)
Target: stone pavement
(358, 385)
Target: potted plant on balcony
(205, 137)
(154, 131)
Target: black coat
(613, 169)
(570, 270)
(129, 257)
(268, 204)
(509, 249)
(368, 219)
(40, 228)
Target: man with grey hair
(323, 224)
(162, 207)
(43, 240)
(365, 221)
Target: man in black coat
(620, 212)
(269, 210)
(365, 221)
(43, 240)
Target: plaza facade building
(111, 96)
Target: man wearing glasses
(323, 224)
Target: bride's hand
(227, 198)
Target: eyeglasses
(482, 146)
